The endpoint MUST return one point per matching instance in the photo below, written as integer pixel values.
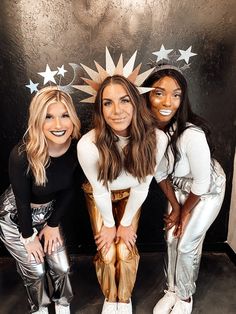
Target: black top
(59, 186)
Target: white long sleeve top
(88, 156)
(194, 161)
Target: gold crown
(127, 71)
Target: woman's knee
(123, 253)
(32, 270)
(170, 239)
(110, 256)
(59, 262)
(186, 247)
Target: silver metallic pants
(56, 265)
(184, 254)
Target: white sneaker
(166, 303)
(62, 309)
(183, 307)
(42, 310)
(109, 307)
(124, 308)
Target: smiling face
(57, 126)
(165, 99)
(117, 108)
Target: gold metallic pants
(116, 270)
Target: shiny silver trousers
(184, 254)
(33, 274)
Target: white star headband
(172, 58)
(50, 77)
(127, 71)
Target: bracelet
(30, 239)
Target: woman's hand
(184, 219)
(35, 248)
(186, 211)
(127, 234)
(105, 237)
(52, 238)
(173, 219)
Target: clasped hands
(51, 237)
(107, 235)
(178, 218)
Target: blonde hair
(35, 143)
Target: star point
(48, 75)
(32, 86)
(186, 54)
(61, 71)
(162, 53)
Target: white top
(88, 156)
(194, 161)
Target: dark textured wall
(36, 33)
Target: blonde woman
(41, 171)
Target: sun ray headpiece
(128, 71)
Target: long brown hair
(140, 153)
(35, 143)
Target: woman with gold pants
(119, 166)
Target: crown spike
(86, 88)
(143, 90)
(102, 72)
(142, 77)
(110, 66)
(128, 68)
(89, 100)
(119, 67)
(93, 84)
(93, 74)
(133, 76)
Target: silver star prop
(186, 54)
(48, 75)
(162, 53)
(61, 71)
(32, 86)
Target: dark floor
(216, 286)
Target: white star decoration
(61, 70)
(126, 70)
(186, 54)
(32, 86)
(162, 53)
(48, 75)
